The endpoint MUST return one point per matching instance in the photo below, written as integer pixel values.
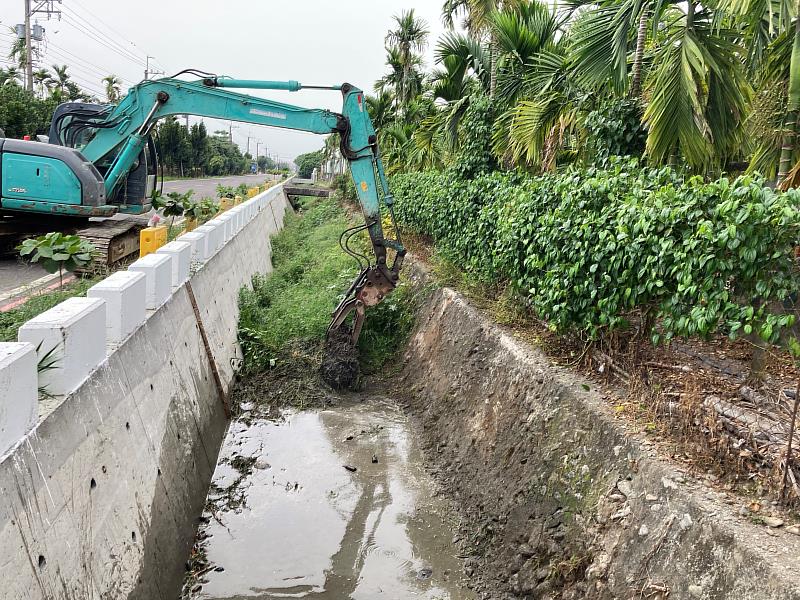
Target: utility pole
(28, 48)
(44, 7)
(148, 71)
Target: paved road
(14, 273)
(207, 188)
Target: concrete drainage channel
(486, 453)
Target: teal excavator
(100, 160)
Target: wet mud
(329, 504)
(340, 368)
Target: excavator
(101, 160)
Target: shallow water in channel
(301, 525)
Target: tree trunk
(638, 56)
(493, 52)
(792, 107)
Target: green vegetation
(285, 316)
(10, 321)
(192, 152)
(29, 113)
(596, 251)
(306, 163)
(57, 252)
(295, 301)
(22, 113)
(174, 204)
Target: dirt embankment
(560, 499)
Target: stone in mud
(340, 368)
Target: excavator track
(113, 239)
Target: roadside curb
(19, 295)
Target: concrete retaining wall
(106, 486)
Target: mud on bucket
(340, 368)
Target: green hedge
(592, 249)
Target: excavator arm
(123, 134)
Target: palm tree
(405, 78)
(42, 79)
(478, 16)
(61, 78)
(463, 72)
(521, 35)
(112, 88)
(381, 109)
(10, 76)
(697, 87)
(461, 58)
(698, 90)
(409, 37)
(603, 37)
(792, 108)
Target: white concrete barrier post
(227, 222)
(181, 253)
(125, 293)
(158, 270)
(235, 214)
(18, 393)
(199, 239)
(73, 336)
(218, 236)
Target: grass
(285, 316)
(294, 303)
(11, 320)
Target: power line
(60, 52)
(87, 73)
(101, 41)
(85, 21)
(89, 15)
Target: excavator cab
(74, 125)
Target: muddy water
(332, 504)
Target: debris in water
(351, 468)
(424, 573)
(374, 459)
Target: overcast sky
(312, 41)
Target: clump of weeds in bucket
(284, 317)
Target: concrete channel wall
(559, 496)
(101, 484)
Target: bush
(615, 129)
(343, 184)
(475, 155)
(592, 249)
